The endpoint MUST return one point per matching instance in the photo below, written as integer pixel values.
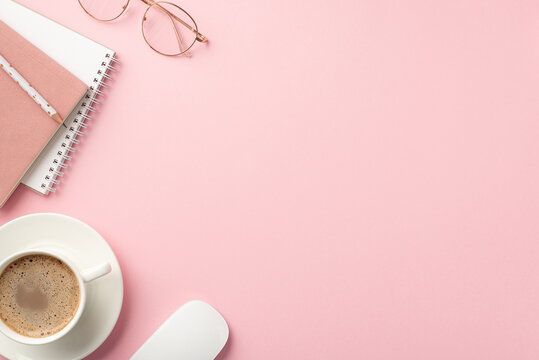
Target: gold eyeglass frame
(199, 37)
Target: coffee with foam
(39, 295)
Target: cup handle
(96, 272)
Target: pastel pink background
(341, 179)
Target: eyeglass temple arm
(178, 35)
(199, 37)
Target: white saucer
(86, 248)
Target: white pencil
(30, 90)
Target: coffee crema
(39, 295)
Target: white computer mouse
(196, 331)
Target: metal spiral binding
(79, 122)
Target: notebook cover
(25, 128)
(86, 59)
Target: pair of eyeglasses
(166, 27)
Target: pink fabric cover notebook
(25, 128)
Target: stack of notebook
(67, 70)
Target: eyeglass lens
(104, 10)
(168, 29)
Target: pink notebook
(25, 128)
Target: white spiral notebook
(84, 58)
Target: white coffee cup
(83, 277)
